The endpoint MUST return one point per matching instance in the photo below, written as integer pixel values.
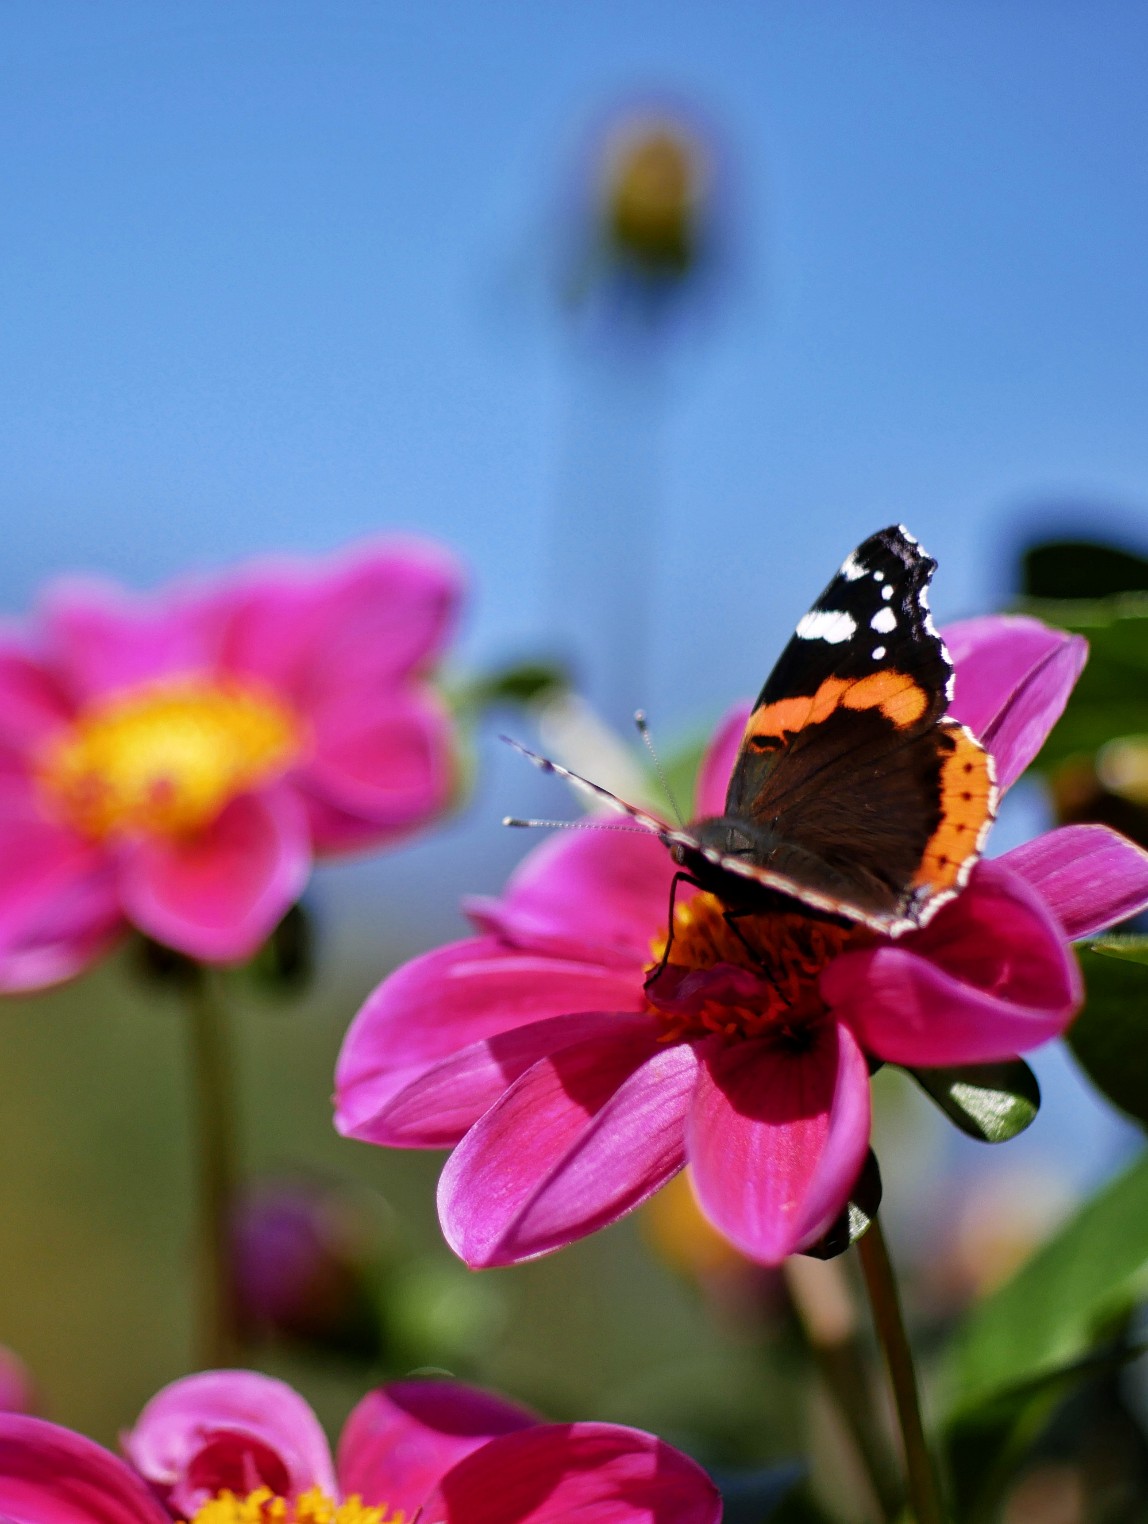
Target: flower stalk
(889, 1323)
(216, 1144)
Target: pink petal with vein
(777, 1138)
(1013, 679)
(593, 1472)
(717, 764)
(402, 1439)
(446, 1001)
(218, 894)
(990, 977)
(228, 1429)
(436, 1109)
(1090, 877)
(599, 895)
(580, 1139)
(48, 1475)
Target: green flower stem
(881, 1285)
(215, 1130)
(824, 1307)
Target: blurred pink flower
(17, 1390)
(573, 1094)
(177, 761)
(225, 1447)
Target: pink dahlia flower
(175, 762)
(234, 1447)
(570, 1092)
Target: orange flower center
(166, 759)
(314, 1507)
(754, 977)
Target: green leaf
(1130, 949)
(990, 1102)
(1049, 1313)
(1111, 697)
(985, 1444)
(514, 686)
(1081, 569)
(1109, 1039)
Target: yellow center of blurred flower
(654, 183)
(756, 980)
(314, 1507)
(165, 759)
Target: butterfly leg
(678, 878)
(731, 918)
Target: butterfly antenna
(572, 825)
(644, 731)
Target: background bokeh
(283, 275)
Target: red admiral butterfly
(851, 793)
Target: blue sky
(273, 274)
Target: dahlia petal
(57, 897)
(402, 1439)
(438, 1107)
(1013, 678)
(581, 1138)
(596, 1472)
(446, 1001)
(228, 1429)
(33, 707)
(991, 976)
(104, 640)
(64, 935)
(1089, 876)
(599, 895)
(717, 764)
(217, 895)
(366, 622)
(386, 759)
(48, 1475)
(777, 1138)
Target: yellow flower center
(755, 977)
(314, 1507)
(165, 759)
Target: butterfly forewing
(848, 785)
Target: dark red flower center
(743, 977)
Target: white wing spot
(878, 653)
(878, 576)
(886, 592)
(833, 625)
(884, 621)
(851, 568)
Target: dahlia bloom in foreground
(176, 761)
(573, 1093)
(234, 1447)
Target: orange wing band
(968, 804)
(898, 697)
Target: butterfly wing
(850, 789)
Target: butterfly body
(853, 797)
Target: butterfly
(852, 796)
